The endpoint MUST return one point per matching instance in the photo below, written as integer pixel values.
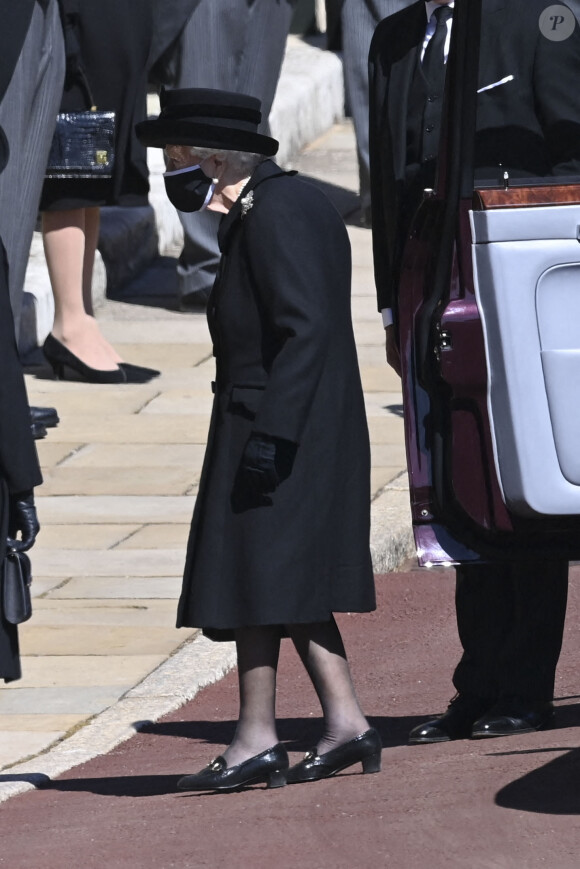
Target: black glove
(258, 465)
(22, 518)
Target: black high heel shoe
(365, 749)
(61, 359)
(138, 373)
(270, 766)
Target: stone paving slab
(70, 670)
(102, 639)
(157, 537)
(83, 536)
(111, 562)
(39, 722)
(82, 509)
(54, 701)
(78, 400)
(136, 480)
(115, 588)
(141, 429)
(25, 743)
(142, 613)
(51, 454)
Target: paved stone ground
(121, 472)
(491, 804)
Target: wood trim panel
(518, 197)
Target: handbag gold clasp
(102, 157)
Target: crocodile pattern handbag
(83, 145)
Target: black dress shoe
(455, 723)
(365, 749)
(270, 766)
(38, 430)
(46, 416)
(511, 716)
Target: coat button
(430, 127)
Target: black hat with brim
(209, 119)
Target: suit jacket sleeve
(297, 249)
(557, 91)
(18, 459)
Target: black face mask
(189, 189)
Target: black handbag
(83, 145)
(16, 579)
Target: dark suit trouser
(235, 45)
(510, 619)
(359, 19)
(28, 116)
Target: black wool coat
(19, 470)
(528, 112)
(286, 366)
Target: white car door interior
(526, 263)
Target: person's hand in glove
(22, 519)
(266, 462)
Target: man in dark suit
(235, 45)
(19, 470)
(510, 615)
(351, 24)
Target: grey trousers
(235, 45)
(359, 19)
(28, 116)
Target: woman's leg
(258, 649)
(70, 239)
(322, 652)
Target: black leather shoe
(365, 749)
(38, 431)
(511, 716)
(269, 767)
(455, 723)
(46, 416)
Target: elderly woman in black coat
(280, 533)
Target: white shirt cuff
(387, 315)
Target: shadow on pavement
(393, 731)
(552, 789)
(120, 786)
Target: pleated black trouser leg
(359, 19)
(510, 619)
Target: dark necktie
(434, 59)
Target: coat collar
(263, 172)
